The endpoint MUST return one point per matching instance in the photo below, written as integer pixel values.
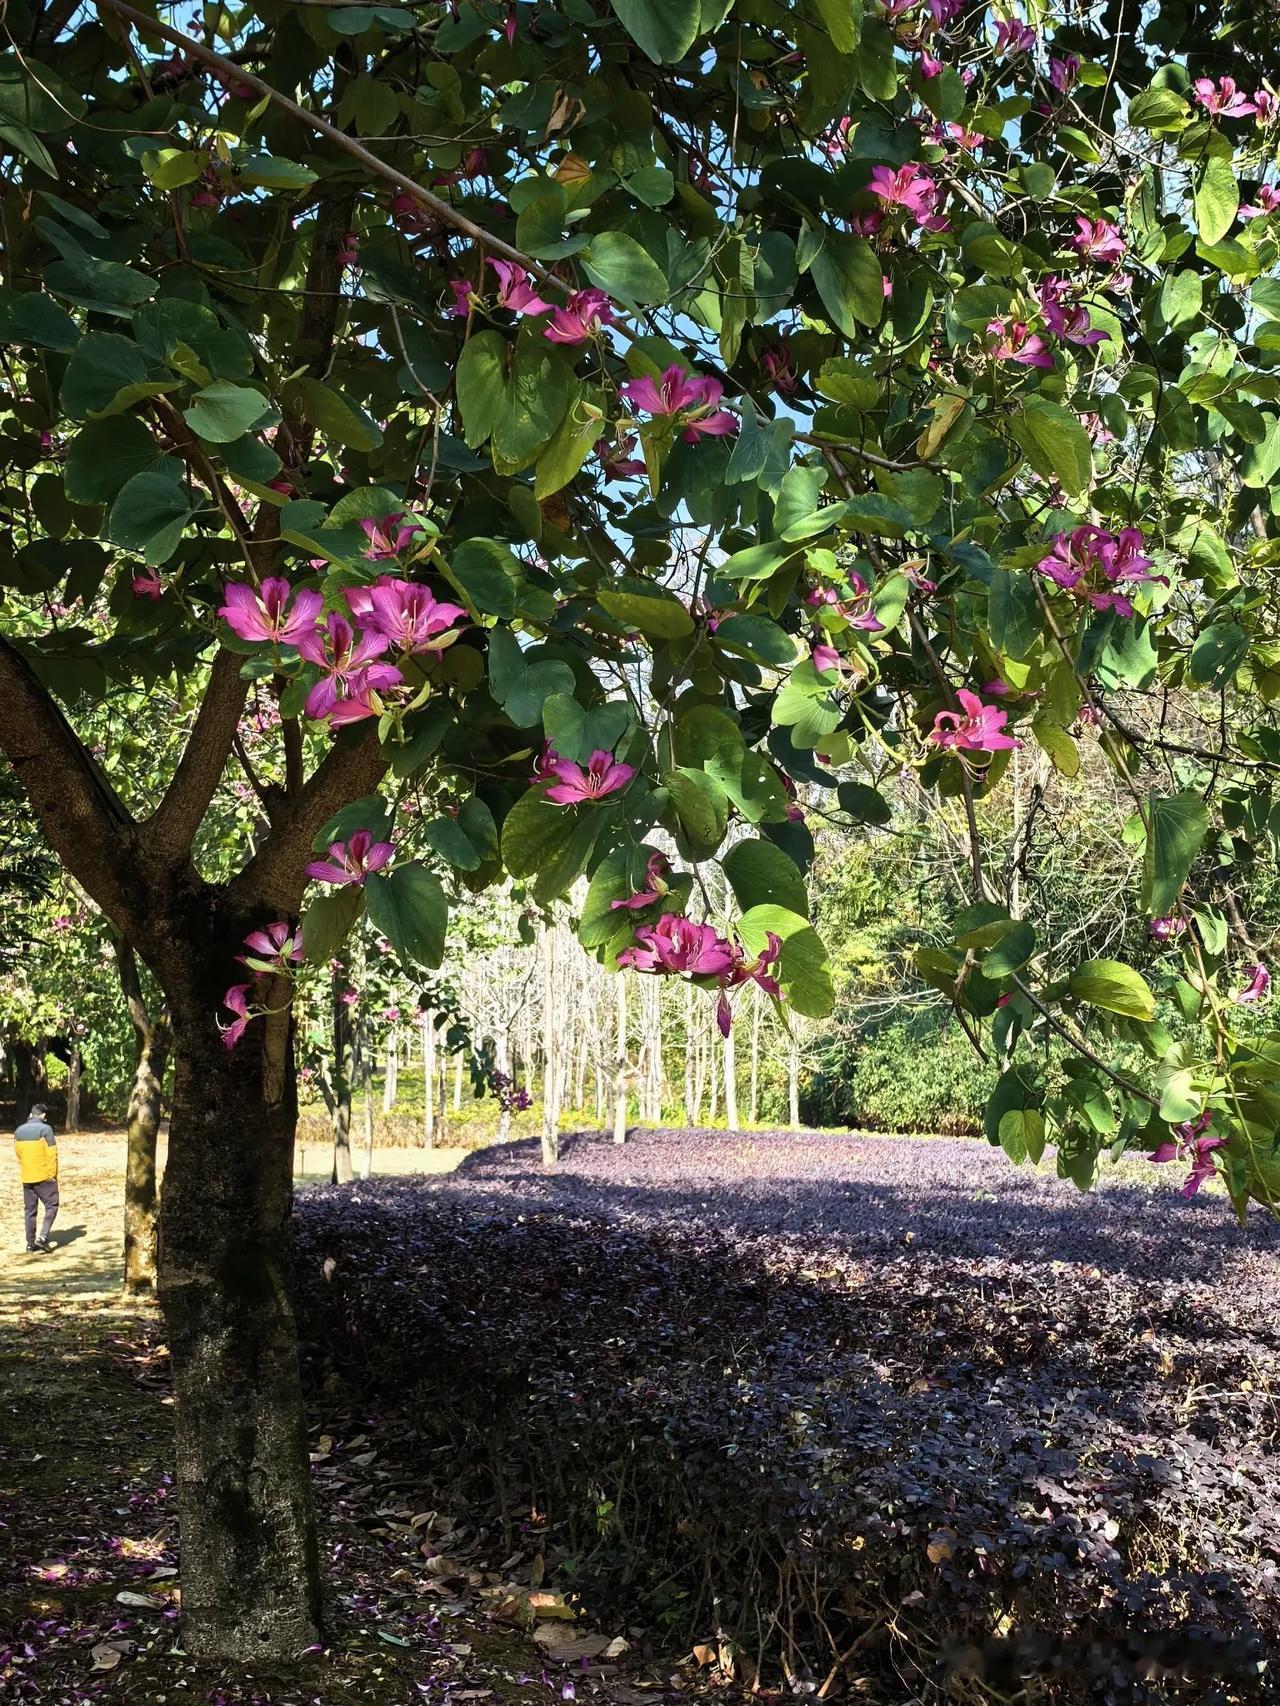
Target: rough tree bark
(74, 1070)
(153, 1038)
(339, 1080)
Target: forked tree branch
(80, 814)
(173, 826)
(276, 876)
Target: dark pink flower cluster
(975, 727)
(1093, 564)
(694, 397)
(570, 784)
(274, 951)
(676, 946)
(1194, 1144)
(395, 615)
(583, 316)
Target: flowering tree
(562, 420)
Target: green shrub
(909, 1074)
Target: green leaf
(863, 803)
(1113, 987)
(28, 317)
(567, 450)
(105, 455)
(618, 264)
(105, 286)
(486, 574)
(103, 367)
(1217, 654)
(804, 970)
(370, 812)
(761, 874)
(757, 562)
(172, 168)
(1157, 109)
(1022, 1134)
(850, 282)
(522, 684)
(149, 515)
(1054, 443)
(538, 837)
(481, 385)
(657, 613)
(222, 411)
(332, 414)
(576, 733)
(409, 907)
(701, 806)
(1178, 826)
(843, 21)
(265, 172)
(1217, 198)
(1011, 952)
(757, 638)
(1013, 613)
(446, 836)
(665, 29)
(328, 920)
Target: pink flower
(929, 66)
(236, 1001)
(656, 872)
(974, 728)
(349, 997)
(348, 674)
(1167, 929)
(1090, 563)
(1013, 36)
(348, 253)
(1266, 105)
(911, 188)
(510, 25)
(616, 460)
(676, 944)
(406, 613)
(462, 289)
(391, 1015)
(1017, 343)
(603, 775)
(269, 615)
(387, 538)
(775, 364)
(516, 290)
(747, 971)
(1222, 98)
(148, 584)
(581, 318)
(836, 142)
(867, 222)
(1268, 202)
(1196, 1144)
(941, 12)
(1097, 240)
(352, 861)
(1063, 72)
(996, 689)
(1257, 988)
(678, 392)
(273, 950)
(1065, 320)
(824, 657)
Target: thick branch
(171, 830)
(81, 816)
(276, 875)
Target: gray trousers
(47, 1193)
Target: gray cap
(39, 1109)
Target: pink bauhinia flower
(1268, 202)
(824, 656)
(352, 861)
(1257, 988)
(387, 537)
(1193, 1143)
(1014, 37)
(696, 396)
(348, 254)
(463, 290)
(273, 950)
(407, 613)
(911, 188)
(1016, 342)
(1097, 240)
(1223, 99)
(148, 584)
(836, 142)
(1063, 72)
(604, 774)
(348, 672)
(929, 65)
(516, 290)
(675, 944)
(975, 727)
(656, 871)
(1167, 929)
(582, 316)
(1091, 563)
(1266, 105)
(743, 970)
(236, 1001)
(775, 364)
(270, 615)
(1065, 319)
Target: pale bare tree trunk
(713, 1065)
(502, 1052)
(457, 1083)
(756, 1005)
(366, 1084)
(690, 1104)
(391, 1082)
(550, 1093)
(731, 1081)
(620, 1063)
(73, 1089)
(428, 1079)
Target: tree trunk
(428, 1079)
(250, 1561)
(74, 1065)
(731, 1081)
(620, 1065)
(550, 1052)
(391, 1082)
(152, 1041)
(366, 1084)
(756, 1005)
(340, 1077)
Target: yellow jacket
(37, 1157)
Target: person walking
(37, 1152)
